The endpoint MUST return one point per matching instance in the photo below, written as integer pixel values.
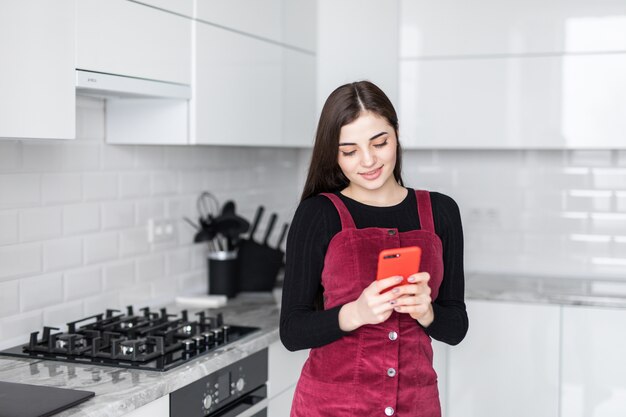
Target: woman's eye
(380, 145)
(348, 153)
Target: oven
(237, 390)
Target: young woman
(371, 351)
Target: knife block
(258, 266)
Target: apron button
(389, 411)
(391, 372)
(393, 335)
(391, 232)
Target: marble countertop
(119, 391)
(546, 289)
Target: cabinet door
(298, 100)
(284, 368)
(237, 96)
(594, 369)
(290, 22)
(37, 98)
(126, 38)
(157, 408)
(508, 365)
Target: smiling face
(367, 153)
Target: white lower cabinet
(157, 408)
(508, 364)
(284, 371)
(594, 363)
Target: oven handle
(247, 406)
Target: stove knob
(189, 344)
(209, 338)
(199, 340)
(219, 335)
(225, 330)
(240, 384)
(208, 401)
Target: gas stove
(150, 340)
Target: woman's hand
(415, 299)
(371, 307)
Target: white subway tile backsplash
(8, 227)
(134, 185)
(545, 158)
(591, 158)
(10, 156)
(43, 156)
(609, 223)
(82, 156)
(621, 158)
(179, 261)
(165, 288)
(101, 247)
(41, 291)
(83, 282)
(118, 157)
(609, 178)
(151, 268)
(18, 260)
(179, 207)
(190, 182)
(100, 186)
(139, 295)
(620, 198)
(118, 214)
(589, 200)
(99, 303)
(555, 179)
(180, 157)
(19, 190)
(150, 157)
(149, 209)
(134, 242)
(194, 283)
(9, 298)
(20, 325)
(119, 275)
(199, 253)
(59, 315)
(81, 218)
(61, 188)
(62, 253)
(164, 183)
(39, 224)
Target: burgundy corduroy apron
(376, 370)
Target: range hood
(117, 86)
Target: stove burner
(152, 340)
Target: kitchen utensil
(258, 262)
(223, 273)
(230, 225)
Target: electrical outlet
(161, 231)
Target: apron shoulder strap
(344, 214)
(424, 210)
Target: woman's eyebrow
(372, 138)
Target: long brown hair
(342, 107)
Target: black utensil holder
(223, 273)
(258, 267)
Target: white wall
(73, 219)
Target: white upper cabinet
(289, 22)
(251, 91)
(37, 98)
(488, 27)
(575, 101)
(594, 370)
(237, 91)
(184, 7)
(125, 38)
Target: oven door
(253, 404)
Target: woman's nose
(368, 159)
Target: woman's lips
(372, 175)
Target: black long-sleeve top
(316, 221)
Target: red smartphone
(398, 261)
